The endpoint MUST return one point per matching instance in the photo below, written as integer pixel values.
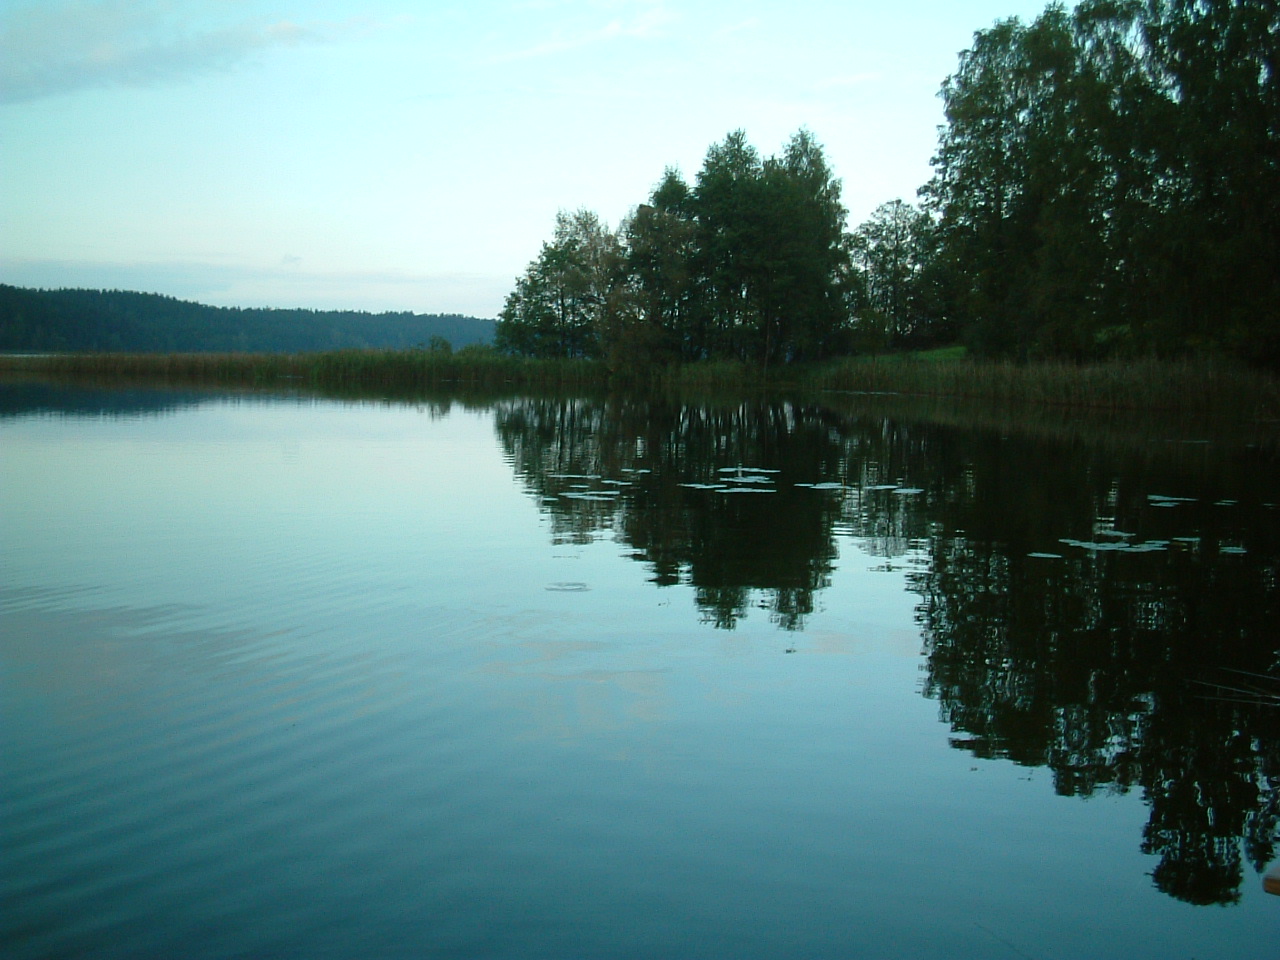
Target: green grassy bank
(1205, 386)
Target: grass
(1175, 386)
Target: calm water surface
(568, 678)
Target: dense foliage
(1107, 184)
(113, 320)
(748, 263)
(1109, 180)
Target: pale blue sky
(384, 154)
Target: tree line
(1106, 184)
(124, 321)
(750, 262)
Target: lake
(569, 677)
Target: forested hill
(117, 320)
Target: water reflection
(23, 397)
(1077, 599)
(1095, 665)
(704, 496)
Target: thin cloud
(848, 80)
(751, 23)
(647, 24)
(58, 47)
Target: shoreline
(1203, 386)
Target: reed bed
(1174, 386)
(343, 370)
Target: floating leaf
(1148, 546)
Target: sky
(392, 155)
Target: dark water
(527, 678)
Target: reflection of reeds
(1245, 688)
(1169, 436)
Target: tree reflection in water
(1076, 595)
(1089, 664)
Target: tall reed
(1170, 385)
(1201, 386)
(372, 369)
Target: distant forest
(121, 321)
(1106, 185)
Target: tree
(772, 259)
(998, 172)
(751, 263)
(660, 244)
(725, 205)
(1109, 180)
(894, 249)
(1217, 64)
(561, 306)
(806, 289)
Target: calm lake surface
(288, 677)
